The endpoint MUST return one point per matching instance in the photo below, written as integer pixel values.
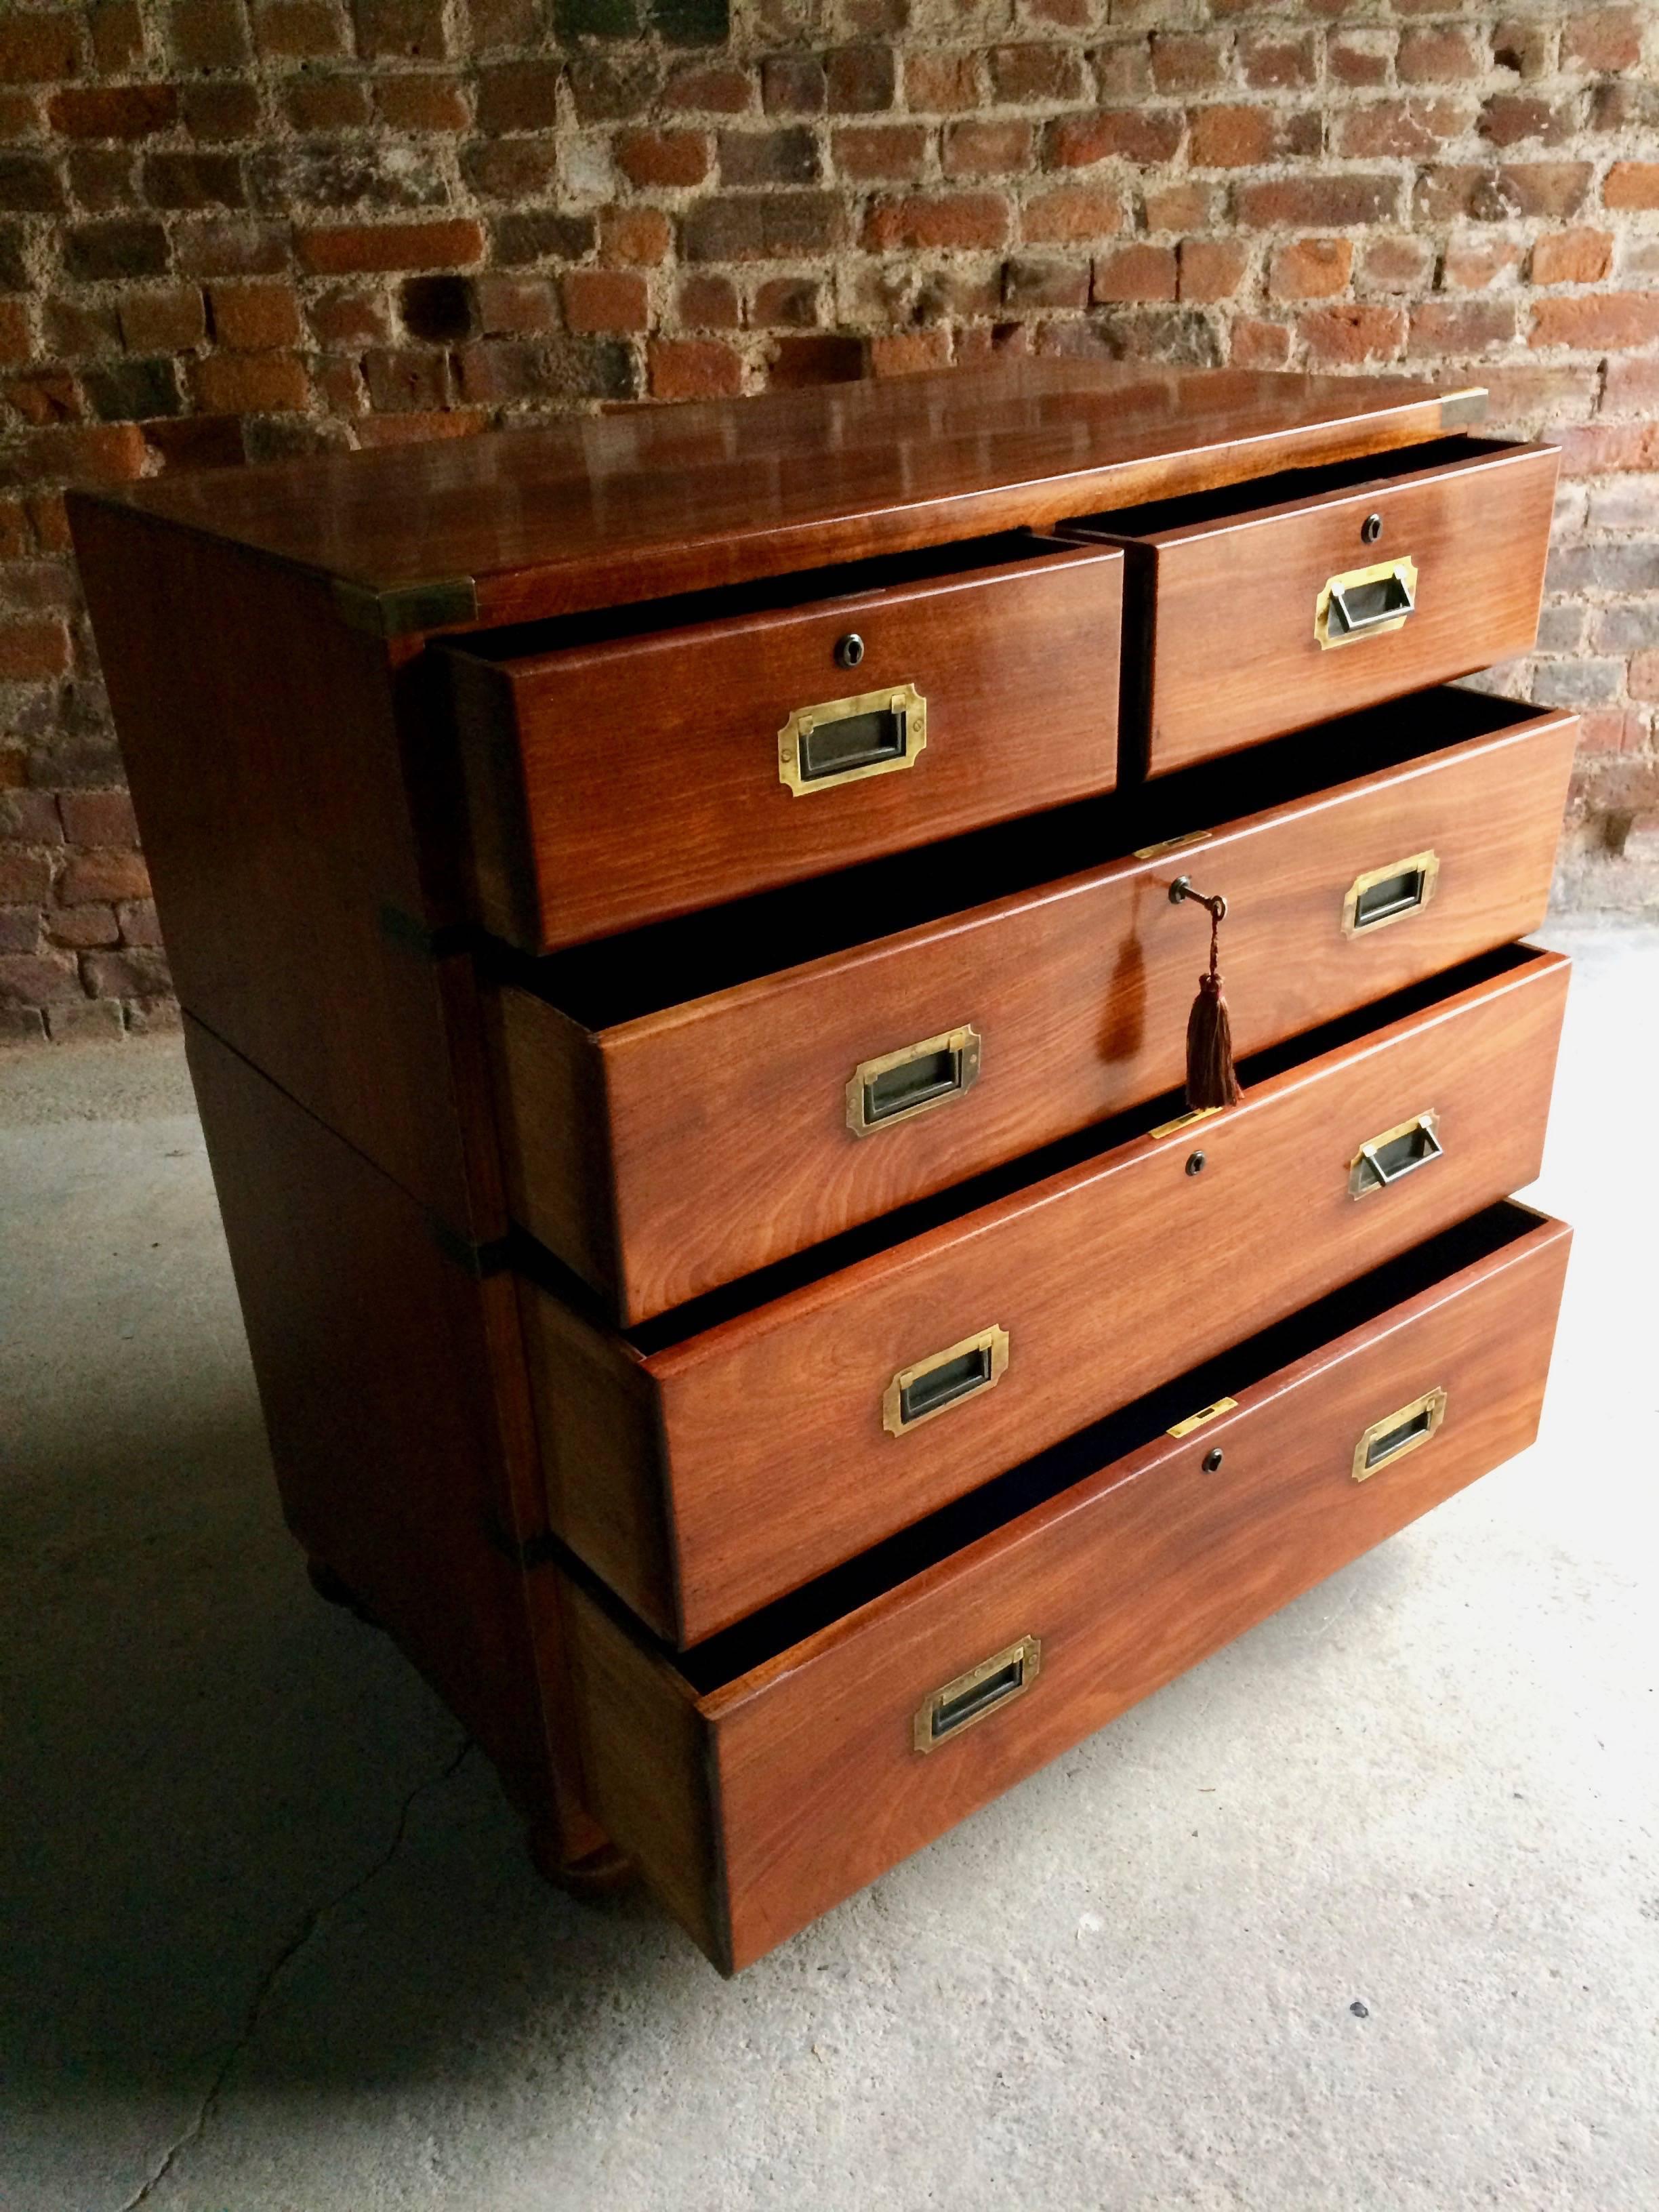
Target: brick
(694, 369)
(249, 384)
(139, 921)
(783, 301)
(128, 111)
(824, 357)
(1146, 134)
(1461, 326)
(760, 227)
(1628, 503)
(653, 159)
(116, 30)
(208, 34)
(1136, 272)
(1183, 206)
(986, 147)
(1571, 257)
(881, 153)
(1526, 47)
(254, 318)
(1033, 280)
(1401, 127)
(1396, 264)
(514, 169)
(1336, 201)
(423, 103)
(785, 156)
(21, 1026)
(81, 927)
(164, 319)
(194, 180)
(941, 84)
(519, 96)
(299, 30)
(926, 222)
(910, 353)
(1632, 384)
(326, 103)
(137, 973)
(41, 979)
(1631, 184)
(1476, 264)
(33, 651)
(103, 453)
(1123, 69)
(95, 251)
(25, 878)
(218, 111)
(1310, 269)
(1228, 137)
(1436, 55)
(642, 237)
(1601, 322)
(353, 249)
(93, 1021)
(1554, 189)
(1211, 268)
(404, 30)
(1182, 61)
(132, 390)
(706, 302)
(31, 817)
(1344, 336)
(794, 84)
(407, 380)
(229, 246)
(1512, 119)
(1067, 214)
(859, 80)
(102, 178)
(1022, 75)
(38, 45)
(97, 817)
(351, 318)
(542, 234)
(20, 932)
(48, 395)
(1358, 58)
(1605, 38)
(603, 300)
(1271, 61)
(30, 185)
(708, 90)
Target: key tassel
(1212, 1078)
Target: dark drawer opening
(617, 979)
(764, 1635)
(1289, 486)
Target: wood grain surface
(632, 505)
(1109, 1275)
(663, 1155)
(1128, 1578)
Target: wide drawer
(682, 1107)
(626, 767)
(1266, 607)
(708, 1462)
(759, 1781)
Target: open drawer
(760, 1779)
(1267, 606)
(710, 1462)
(627, 767)
(682, 1106)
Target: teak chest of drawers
(674, 916)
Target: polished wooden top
(602, 509)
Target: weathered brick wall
(232, 229)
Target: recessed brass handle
(1394, 1155)
(895, 1086)
(970, 1698)
(1366, 602)
(1391, 894)
(944, 1381)
(844, 740)
(1396, 1434)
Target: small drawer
(1268, 607)
(708, 1462)
(624, 769)
(683, 1106)
(761, 1780)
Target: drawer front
(1241, 621)
(799, 1432)
(736, 1127)
(618, 785)
(1006, 1654)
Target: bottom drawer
(763, 1776)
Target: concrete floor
(1364, 1913)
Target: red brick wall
(232, 229)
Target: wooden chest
(680, 928)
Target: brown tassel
(1212, 1078)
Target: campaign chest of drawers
(678, 919)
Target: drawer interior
(1289, 487)
(915, 1220)
(800, 587)
(764, 1637)
(620, 979)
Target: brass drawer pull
(1396, 1434)
(1394, 1155)
(944, 1380)
(995, 1682)
(1385, 894)
(843, 741)
(899, 1085)
(1366, 602)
